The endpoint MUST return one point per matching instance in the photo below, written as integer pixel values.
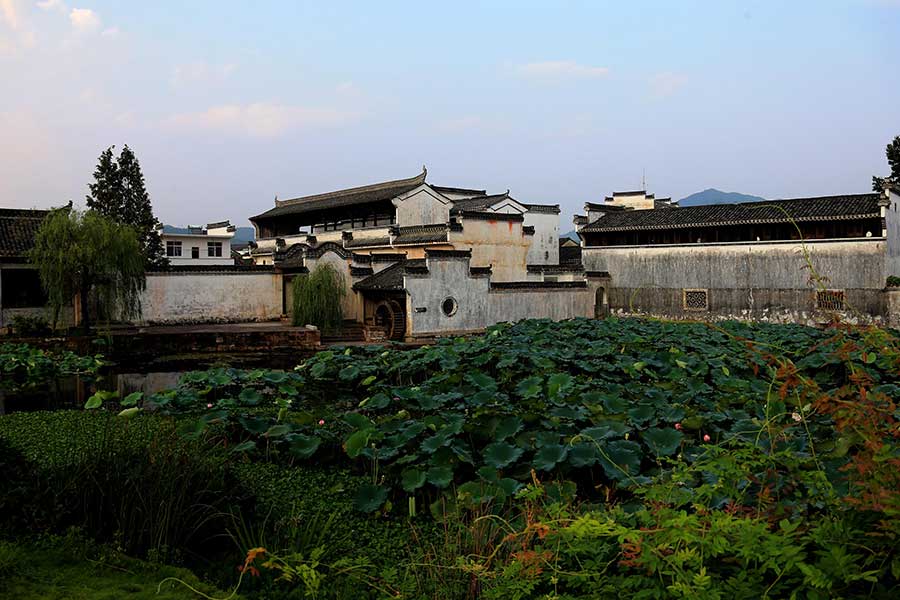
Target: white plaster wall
(199, 241)
(499, 244)
(478, 307)
(423, 206)
(211, 297)
(892, 224)
(544, 248)
(857, 264)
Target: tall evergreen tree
(106, 191)
(893, 157)
(119, 193)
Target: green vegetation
(582, 459)
(119, 193)
(893, 281)
(92, 257)
(74, 569)
(24, 367)
(317, 298)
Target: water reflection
(73, 392)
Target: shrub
(318, 297)
(137, 481)
(893, 281)
(31, 325)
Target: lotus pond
(579, 459)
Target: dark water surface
(157, 375)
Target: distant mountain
(242, 235)
(714, 196)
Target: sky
(229, 104)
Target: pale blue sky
(229, 103)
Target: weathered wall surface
(892, 224)
(477, 305)
(211, 297)
(499, 244)
(775, 306)
(771, 265)
(892, 299)
(544, 248)
(422, 207)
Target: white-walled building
(200, 246)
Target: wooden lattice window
(695, 300)
(830, 299)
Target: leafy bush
(31, 325)
(318, 297)
(893, 281)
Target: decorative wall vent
(695, 300)
(830, 299)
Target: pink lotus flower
(209, 405)
(321, 421)
(678, 426)
(706, 437)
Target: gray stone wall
(858, 264)
(211, 297)
(477, 305)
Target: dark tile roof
(366, 194)
(372, 242)
(18, 227)
(560, 268)
(458, 190)
(480, 271)
(360, 271)
(550, 209)
(827, 208)
(421, 234)
(478, 202)
(569, 254)
(391, 278)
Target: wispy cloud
(11, 14)
(49, 5)
(84, 20)
(663, 85)
(261, 119)
(556, 70)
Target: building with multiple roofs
(194, 246)
(799, 259)
(422, 259)
(20, 287)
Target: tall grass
(318, 297)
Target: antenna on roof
(644, 179)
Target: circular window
(449, 306)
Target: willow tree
(318, 297)
(92, 257)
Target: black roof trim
(562, 268)
(538, 285)
(491, 216)
(183, 269)
(361, 271)
(458, 190)
(439, 253)
(388, 257)
(480, 271)
(550, 209)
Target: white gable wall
(422, 206)
(544, 248)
